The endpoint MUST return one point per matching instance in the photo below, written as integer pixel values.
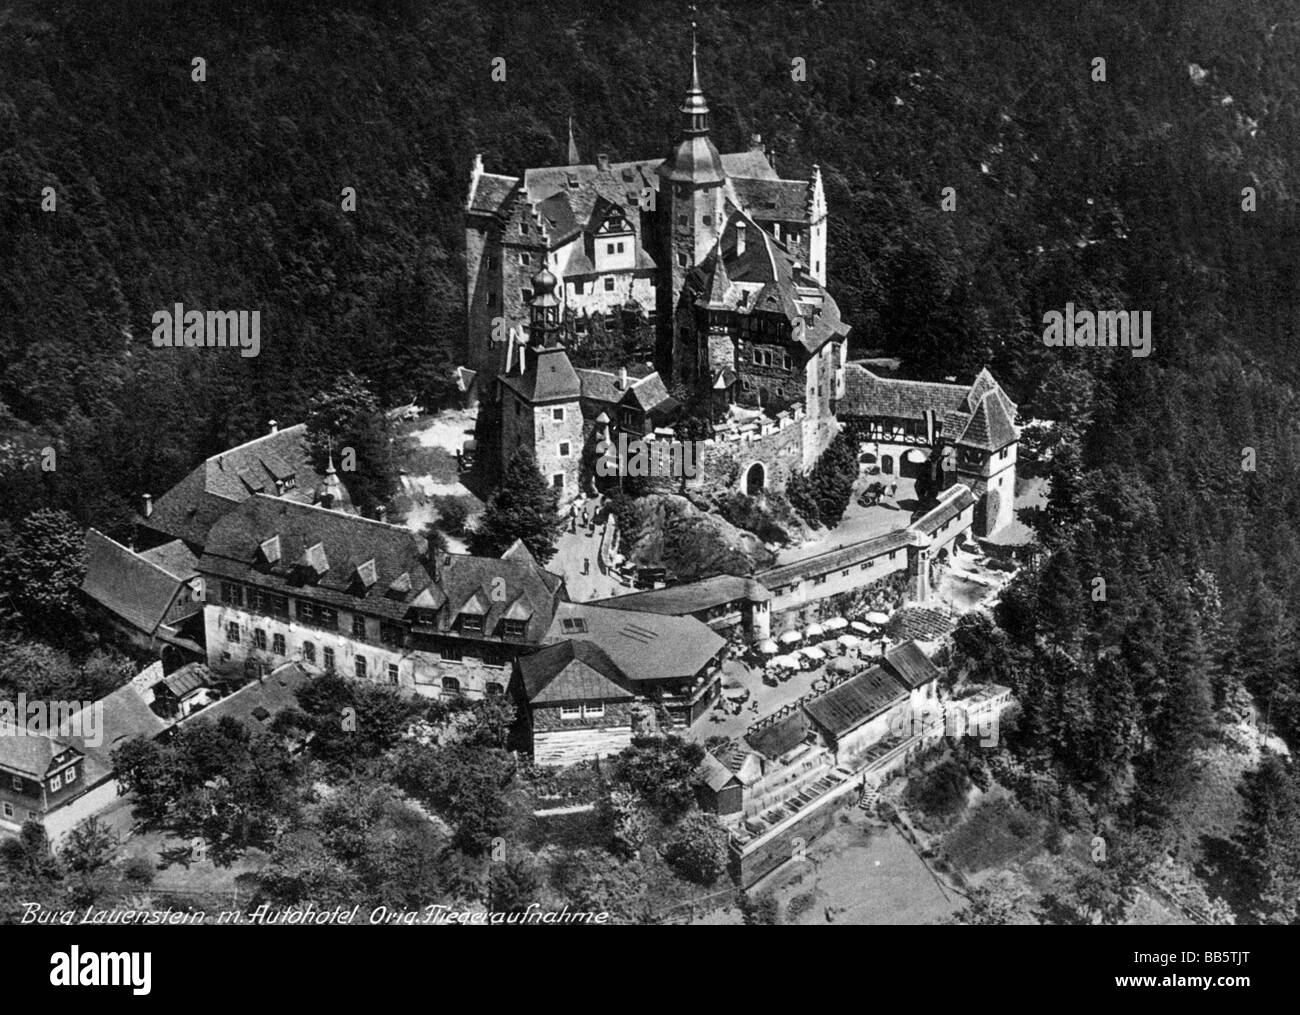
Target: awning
(813, 631)
(815, 654)
(768, 648)
(916, 455)
(835, 624)
(849, 640)
(876, 617)
(790, 637)
(862, 628)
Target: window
(327, 618)
(70, 776)
(277, 644)
(609, 283)
(358, 627)
(525, 257)
(620, 248)
(557, 415)
(564, 449)
(259, 638)
(491, 299)
(360, 667)
(681, 260)
(16, 783)
(593, 711)
(557, 481)
(681, 220)
(232, 594)
(9, 809)
(392, 673)
(523, 228)
(574, 625)
(708, 220)
(864, 565)
(329, 659)
(391, 634)
(451, 653)
(494, 657)
(306, 612)
(232, 632)
(820, 580)
(570, 712)
(494, 690)
(309, 652)
(526, 295)
(56, 783)
(514, 628)
(471, 623)
(450, 685)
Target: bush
(453, 513)
(697, 848)
(138, 870)
(941, 792)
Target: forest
(1163, 180)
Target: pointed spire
(574, 158)
(694, 106)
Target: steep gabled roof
(773, 200)
(847, 706)
(190, 508)
(33, 754)
(232, 551)
(867, 394)
(989, 427)
(644, 646)
(910, 665)
(550, 377)
(127, 584)
(572, 671)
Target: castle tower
(541, 395)
(690, 203)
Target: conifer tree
(523, 507)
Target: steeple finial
(694, 106)
(695, 54)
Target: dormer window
(471, 623)
(514, 628)
(367, 573)
(269, 550)
(573, 181)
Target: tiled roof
(866, 394)
(848, 705)
(834, 560)
(644, 646)
(232, 552)
(256, 704)
(989, 428)
(189, 509)
(133, 588)
(528, 588)
(175, 558)
(124, 717)
(910, 665)
(550, 377)
(648, 393)
(187, 679)
(921, 624)
(782, 736)
(714, 774)
(32, 754)
(770, 200)
(572, 671)
(955, 500)
(682, 600)
(490, 192)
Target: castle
(727, 262)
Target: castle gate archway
(755, 479)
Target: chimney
(740, 238)
(381, 513)
(602, 162)
(274, 428)
(755, 142)
(622, 378)
(148, 504)
(279, 484)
